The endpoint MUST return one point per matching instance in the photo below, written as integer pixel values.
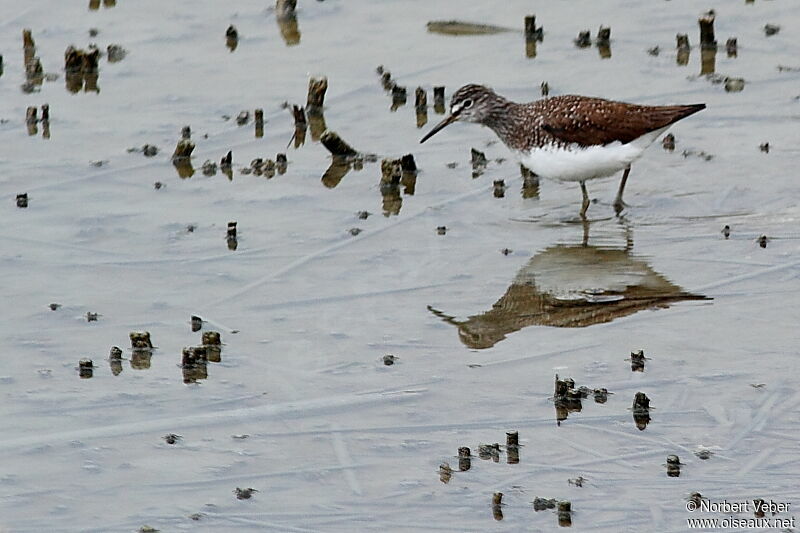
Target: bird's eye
(466, 104)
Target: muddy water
(301, 406)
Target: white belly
(576, 163)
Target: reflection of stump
(392, 201)
(140, 359)
(338, 169)
(290, 31)
(708, 59)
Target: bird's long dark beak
(449, 120)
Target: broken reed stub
(726, 231)
(22, 200)
(464, 459)
(171, 438)
(637, 361)
(682, 41)
(584, 39)
(231, 37)
(564, 513)
(497, 505)
(336, 146)
(499, 188)
(542, 504)
(140, 340)
(673, 466)
(641, 403)
(45, 112)
(193, 356)
(211, 338)
(27, 39)
(732, 47)
(115, 353)
(85, 368)
(477, 158)
(386, 80)
(512, 438)
(231, 230)
(668, 142)
(532, 33)
(285, 8)
(183, 150)
(244, 494)
(31, 115)
(600, 395)
(762, 241)
(603, 36)
(299, 114)
(115, 53)
(316, 95)
(545, 89)
(706, 22)
(389, 359)
(420, 99)
(438, 99)
(441, 230)
(489, 451)
(391, 171)
(399, 97)
(407, 163)
(259, 120)
(281, 163)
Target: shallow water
(336, 440)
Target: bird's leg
(619, 205)
(585, 204)
(585, 241)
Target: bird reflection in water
(571, 286)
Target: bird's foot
(619, 206)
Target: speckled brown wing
(594, 121)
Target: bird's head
(471, 103)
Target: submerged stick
(457, 27)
